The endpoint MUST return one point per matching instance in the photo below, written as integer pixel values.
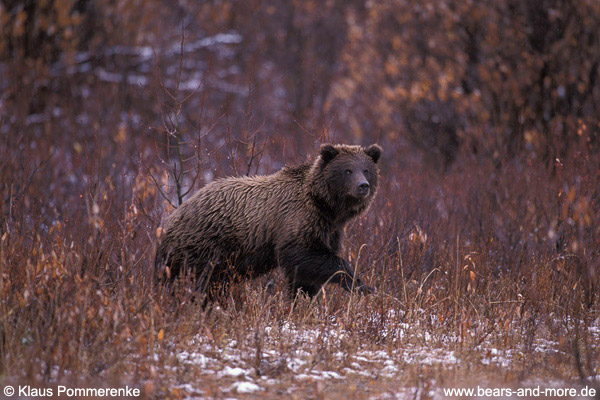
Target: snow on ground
(295, 352)
(244, 387)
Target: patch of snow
(114, 77)
(220, 38)
(235, 372)
(35, 119)
(330, 375)
(268, 381)
(294, 348)
(544, 346)
(389, 370)
(295, 364)
(189, 388)
(495, 357)
(194, 358)
(245, 387)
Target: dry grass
(486, 273)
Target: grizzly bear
(294, 218)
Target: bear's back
(243, 212)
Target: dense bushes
(489, 211)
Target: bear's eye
(348, 171)
(366, 172)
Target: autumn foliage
(111, 113)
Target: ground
(327, 350)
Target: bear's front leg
(358, 283)
(297, 287)
(309, 270)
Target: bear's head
(346, 177)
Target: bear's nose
(363, 187)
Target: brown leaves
(480, 69)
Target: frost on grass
(302, 354)
(292, 356)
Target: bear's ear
(374, 151)
(328, 152)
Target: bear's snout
(363, 188)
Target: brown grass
(486, 273)
(475, 259)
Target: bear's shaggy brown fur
(294, 218)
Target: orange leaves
(496, 75)
(418, 235)
(121, 134)
(392, 68)
(148, 387)
(57, 227)
(145, 188)
(94, 218)
(19, 24)
(576, 208)
(470, 267)
(40, 31)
